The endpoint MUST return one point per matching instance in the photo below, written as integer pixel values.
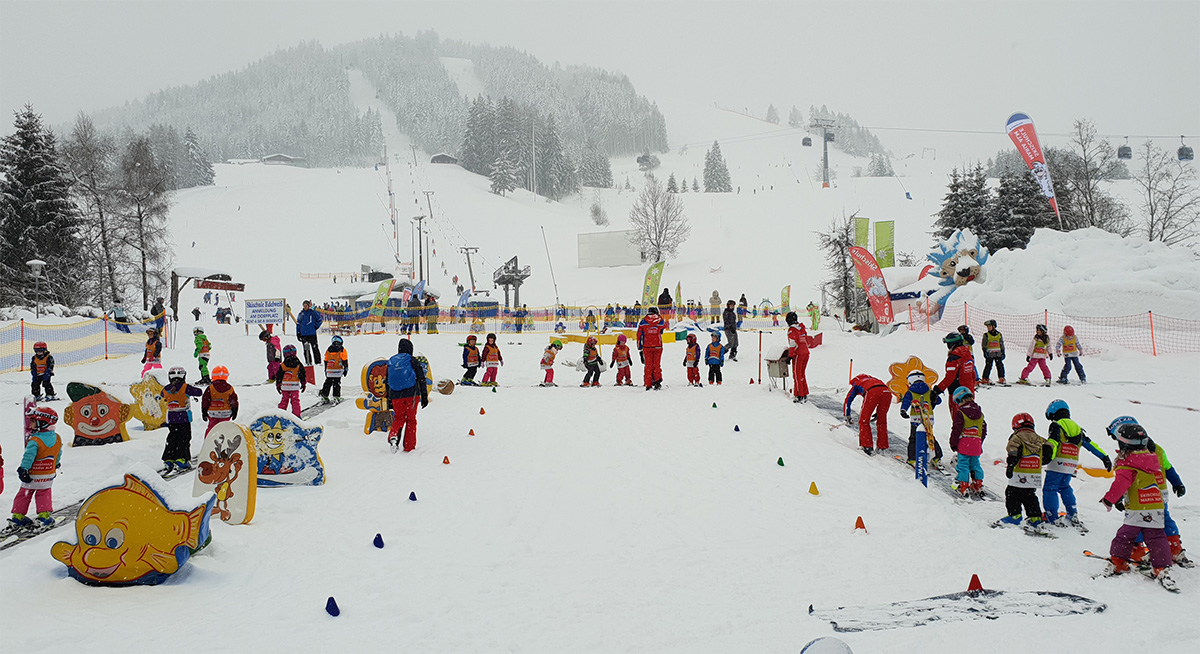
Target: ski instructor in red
(798, 352)
(649, 342)
(876, 400)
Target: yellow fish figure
(127, 536)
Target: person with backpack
(406, 386)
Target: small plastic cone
(378, 541)
(413, 496)
(975, 585)
(812, 489)
(714, 405)
(858, 524)
(751, 380)
(481, 411)
(471, 433)
(446, 460)
(780, 461)
(493, 389)
(331, 607)
(736, 428)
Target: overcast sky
(1132, 67)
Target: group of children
(1068, 347)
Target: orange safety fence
(78, 342)
(1147, 332)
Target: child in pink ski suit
(1136, 489)
(1038, 353)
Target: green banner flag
(381, 297)
(785, 299)
(650, 287)
(862, 232)
(885, 243)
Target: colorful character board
(228, 469)
(286, 451)
(148, 406)
(898, 384)
(128, 535)
(97, 417)
(374, 384)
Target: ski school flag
(873, 283)
(650, 286)
(419, 289)
(785, 299)
(1024, 136)
(381, 297)
(461, 307)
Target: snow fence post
(1153, 345)
(760, 356)
(1046, 319)
(21, 361)
(850, 377)
(105, 319)
(965, 314)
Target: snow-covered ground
(611, 519)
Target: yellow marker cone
(812, 489)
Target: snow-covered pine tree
(716, 172)
(683, 185)
(37, 218)
(1017, 210)
(143, 207)
(504, 174)
(473, 155)
(880, 166)
(198, 170)
(672, 185)
(795, 119)
(695, 185)
(967, 204)
(772, 114)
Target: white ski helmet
(177, 373)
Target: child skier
(1170, 475)
(177, 454)
(470, 361)
(492, 360)
(876, 400)
(1036, 355)
(591, 360)
(152, 358)
(714, 356)
(993, 352)
(202, 353)
(336, 365)
(960, 368)
(406, 387)
(1026, 453)
(622, 361)
(966, 438)
(290, 380)
(691, 361)
(1135, 490)
(919, 394)
(548, 357)
(41, 366)
(1066, 437)
(1069, 348)
(219, 402)
(272, 343)
(39, 465)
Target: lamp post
(35, 267)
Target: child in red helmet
(622, 362)
(470, 364)
(691, 361)
(1027, 452)
(41, 366)
(37, 470)
(1070, 349)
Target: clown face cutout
(97, 417)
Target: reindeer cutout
(222, 471)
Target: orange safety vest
(150, 354)
(40, 364)
(177, 400)
(44, 466)
(220, 403)
(472, 356)
(335, 363)
(291, 377)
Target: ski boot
(168, 467)
(584, 385)
(1024, 382)
(912, 462)
(1163, 577)
(18, 522)
(182, 465)
(394, 442)
(596, 384)
(1001, 381)
(1036, 525)
(39, 398)
(658, 386)
(205, 381)
(868, 451)
(1046, 383)
(963, 488)
(1178, 554)
(324, 400)
(985, 381)
(1008, 521)
(1063, 382)
(977, 489)
(1140, 553)
(1116, 566)
(936, 463)
(44, 521)
(1073, 519)
(51, 398)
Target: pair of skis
(1143, 568)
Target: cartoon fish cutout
(127, 535)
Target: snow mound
(1089, 272)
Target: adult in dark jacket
(160, 314)
(405, 390)
(415, 309)
(730, 322)
(664, 304)
(307, 324)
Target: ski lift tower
(826, 136)
(511, 275)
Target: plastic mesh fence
(78, 342)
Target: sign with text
(216, 285)
(266, 312)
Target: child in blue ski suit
(1065, 438)
(714, 356)
(919, 390)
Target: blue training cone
(736, 428)
(413, 496)
(378, 541)
(331, 608)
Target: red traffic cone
(481, 411)
(751, 380)
(446, 460)
(974, 585)
(471, 433)
(858, 524)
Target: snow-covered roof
(202, 273)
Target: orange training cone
(858, 524)
(481, 411)
(812, 489)
(974, 585)
(471, 433)
(446, 460)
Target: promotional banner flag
(785, 299)
(862, 232)
(885, 243)
(650, 286)
(381, 297)
(419, 289)
(1024, 136)
(460, 309)
(872, 282)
